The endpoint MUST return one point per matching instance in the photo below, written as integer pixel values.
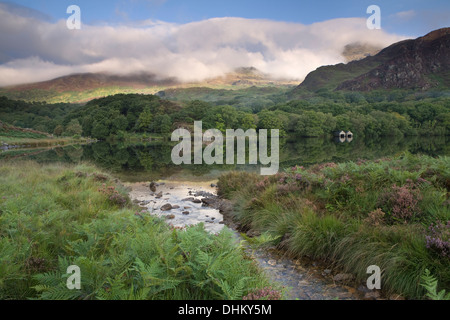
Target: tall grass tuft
(393, 213)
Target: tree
(58, 130)
(270, 120)
(100, 131)
(145, 119)
(73, 128)
(247, 121)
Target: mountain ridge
(422, 63)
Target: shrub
(113, 195)
(401, 202)
(376, 217)
(439, 238)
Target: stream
(184, 203)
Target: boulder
(166, 207)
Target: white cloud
(35, 50)
(405, 15)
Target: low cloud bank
(36, 49)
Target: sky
(197, 39)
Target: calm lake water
(152, 161)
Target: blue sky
(284, 38)
(419, 16)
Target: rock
(373, 295)
(209, 201)
(170, 217)
(340, 277)
(272, 262)
(166, 207)
(188, 199)
(153, 186)
(213, 185)
(186, 207)
(159, 195)
(363, 289)
(176, 207)
(222, 222)
(204, 194)
(185, 213)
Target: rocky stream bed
(190, 203)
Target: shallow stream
(180, 203)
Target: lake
(152, 160)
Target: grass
(355, 215)
(54, 216)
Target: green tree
(145, 120)
(269, 120)
(58, 130)
(100, 131)
(74, 128)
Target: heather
(391, 212)
(54, 216)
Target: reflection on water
(152, 161)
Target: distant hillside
(419, 64)
(78, 88)
(89, 81)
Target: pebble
(170, 217)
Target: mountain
(419, 64)
(88, 86)
(89, 81)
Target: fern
(430, 283)
(264, 240)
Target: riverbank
(54, 216)
(392, 213)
